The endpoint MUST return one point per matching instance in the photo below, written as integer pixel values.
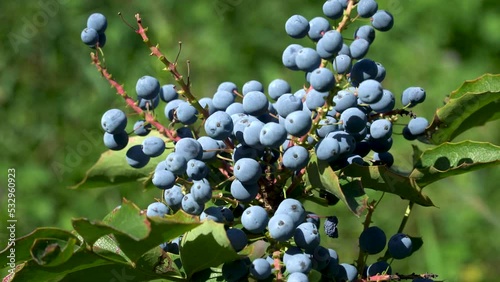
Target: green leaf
(24, 244)
(206, 246)
(31, 271)
(450, 159)
(52, 252)
(475, 103)
(130, 233)
(384, 179)
(159, 262)
(321, 175)
(112, 167)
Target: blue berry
(344, 100)
(207, 104)
(222, 99)
(289, 55)
(173, 196)
(89, 36)
(306, 236)
(234, 108)
(116, 142)
(372, 240)
(367, 8)
(114, 121)
(359, 48)
(168, 92)
(362, 70)
(171, 107)
(322, 79)
(176, 163)
(380, 72)
(317, 27)
(228, 86)
(399, 246)
(385, 104)
(251, 134)
(189, 148)
(326, 125)
(315, 99)
(98, 22)
(330, 226)
(295, 157)
(332, 41)
(201, 190)
(413, 96)
(272, 135)
(238, 238)
(385, 158)
(298, 263)
(342, 64)
(297, 26)
(244, 192)
(417, 126)
(297, 277)
(252, 85)
(277, 88)
(307, 59)
(353, 120)
(382, 20)
(163, 179)
(254, 219)
(219, 125)
(209, 147)
(149, 105)
(184, 132)
(327, 149)
(142, 128)
(247, 170)
(260, 269)
(191, 206)
(136, 157)
(197, 169)
(294, 209)
(381, 129)
(153, 146)
(347, 272)
(333, 9)
(147, 87)
(212, 213)
(157, 209)
(288, 103)
(281, 227)
(380, 145)
(255, 103)
(186, 114)
(298, 123)
(366, 32)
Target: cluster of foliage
(234, 169)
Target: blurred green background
(52, 99)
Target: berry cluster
(93, 35)
(251, 148)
